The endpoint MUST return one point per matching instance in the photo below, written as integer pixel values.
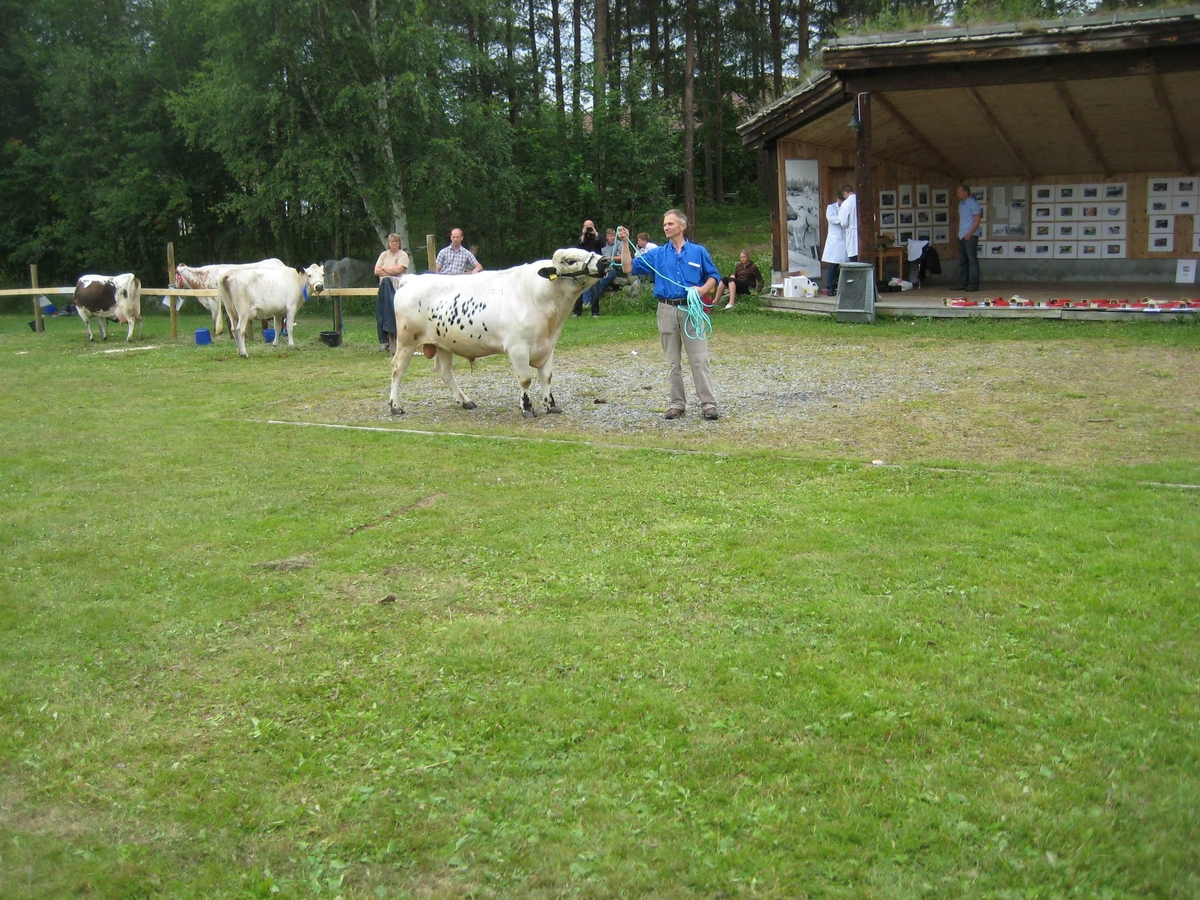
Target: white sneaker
(728, 306)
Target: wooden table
(884, 254)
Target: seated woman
(746, 277)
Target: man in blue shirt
(970, 213)
(678, 265)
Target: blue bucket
(268, 335)
(203, 336)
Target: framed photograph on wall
(1113, 249)
(997, 250)
(1044, 230)
(1016, 230)
(1183, 206)
(1157, 205)
(1066, 193)
(924, 234)
(923, 217)
(906, 235)
(1185, 187)
(904, 195)
(1162, 224)
(887, 199)
(1158, 187)
(1066, 249)
(1196, 241)
(1089, 230)
(922, 195)
(1112, 212)
(1045, 212)
(1089, 192)
(906, 217)
(1066, 212)
(941, 235)
(1089, 249)
(999, 229)
(887, 219)
(1064, 231)
(1043, 193)
(1114, 191)
(940, 197)
(980, 195)
(1018, 250)
(1043, 250)
(1160, 243)
(1113, 231)
(941, 217)
(1089, 211)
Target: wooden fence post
(171, 283)
(431, 250)
(39, 326)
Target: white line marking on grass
(132, 349)
(1182, 487)
(482, 437)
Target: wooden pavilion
(1079, 136)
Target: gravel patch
(892, 399)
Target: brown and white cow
(204, 278)
(109, 297)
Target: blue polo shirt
(691, 266)
(967, 210)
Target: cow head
(314, 278)
(571, 262)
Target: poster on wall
(803, 198)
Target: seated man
(746, 277)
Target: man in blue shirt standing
(678, 265)
(970, 213)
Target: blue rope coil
(697, 325)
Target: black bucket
(331, 338)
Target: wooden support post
(337, 313)
(38, 325)
(171, 283)
(779, 250)
(865, 177)
(431, 251)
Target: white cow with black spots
(519, 312)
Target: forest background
(309, 129)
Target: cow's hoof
(528, 414)
(470, 404)
(397, 411)
(555, 409)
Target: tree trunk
(802, 35)
(533, 56)
(599, 59)
(510, 65)
(689, 118)
(655, 53)
(777, 47)
(577, 69)
(718, 131)
(556, 26)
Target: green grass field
(489, 658)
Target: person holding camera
(591, 241)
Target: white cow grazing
(204, 278)
(109, 297)
(518, 312)
(266, 291)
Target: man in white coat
(848, 217)
(835, 246)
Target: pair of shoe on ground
(710, 414)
